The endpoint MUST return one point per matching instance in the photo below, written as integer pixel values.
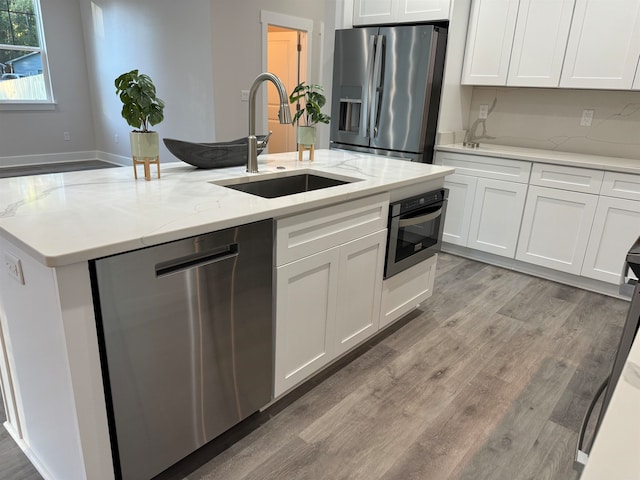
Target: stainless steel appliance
(629, 332)
(414, 230)
(386, 89)
(186, 336)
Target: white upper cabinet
(371, 12)
(604, 45)
(539, 42)
(491, 28)
(422, 10)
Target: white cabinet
(406, 290)
(490, 37)
(615, 227)
(539, 42)
(486, 199)
(371, 12)
(305, 308)
(329, 272)
(497, 210)
(555, 228)
(603, 46)
(462, 191)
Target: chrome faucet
(284, 115)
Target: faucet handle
(263, 143)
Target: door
(604, 45)
(615, 227)
(305, 311)
(555, 228)
(492, 24)
(462, 191)
(353, 63)
(284, 62)
(540, 40)
(497, 211)
(358, 309)
(402, 81)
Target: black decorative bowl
(213, 155)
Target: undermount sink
(274, 187)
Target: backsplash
(550, 119)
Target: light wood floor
(489, 380)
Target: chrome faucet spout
(284, 115)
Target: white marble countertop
(71, 217)
(626, 165)
(616, 451)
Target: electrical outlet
(483, 113)
(587, 118)
(67, 136)
(116, 138)
(14, 267)
(244, 95)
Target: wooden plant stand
(146, 161)
(303, 148)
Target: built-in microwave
(414, 230)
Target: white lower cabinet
(495, 221)
(555, 228)
(326, 304)
(405, 290)
(462, 191)
(615, 227)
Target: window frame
(38, 104)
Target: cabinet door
(497, 211)
(615, 227)
(462, 190)
(422, 10)
(555, 228)
(539, 42)
(305, 312)
(604, 45)
(359, 290)
(491, 27)
(368, 12)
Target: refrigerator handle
(376, 87)
(366, 101)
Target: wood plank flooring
(488, 380)
(61, 167)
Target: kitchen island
(51, 226)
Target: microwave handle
(421, 219)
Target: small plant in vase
(309, 100)
(141, 108)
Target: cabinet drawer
(621, 185)
(486, 167)
(566, 178)
(302, 235)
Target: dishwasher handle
(196, 260)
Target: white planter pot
(144, 145)
(306, 135)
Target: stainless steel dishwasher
(186, 337)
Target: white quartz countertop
(67, 218)
(597, 162)
(616, 451)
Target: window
(23, 65)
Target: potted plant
(141, 109)
(309, 99)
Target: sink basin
(282, 186)
(212, 155)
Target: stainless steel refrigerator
(386, 89)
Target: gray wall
(42, 132)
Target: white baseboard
(112, 158)
(28, 452)
(22, 160)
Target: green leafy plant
(311, 101)
(140, 106)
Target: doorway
(287, 59)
